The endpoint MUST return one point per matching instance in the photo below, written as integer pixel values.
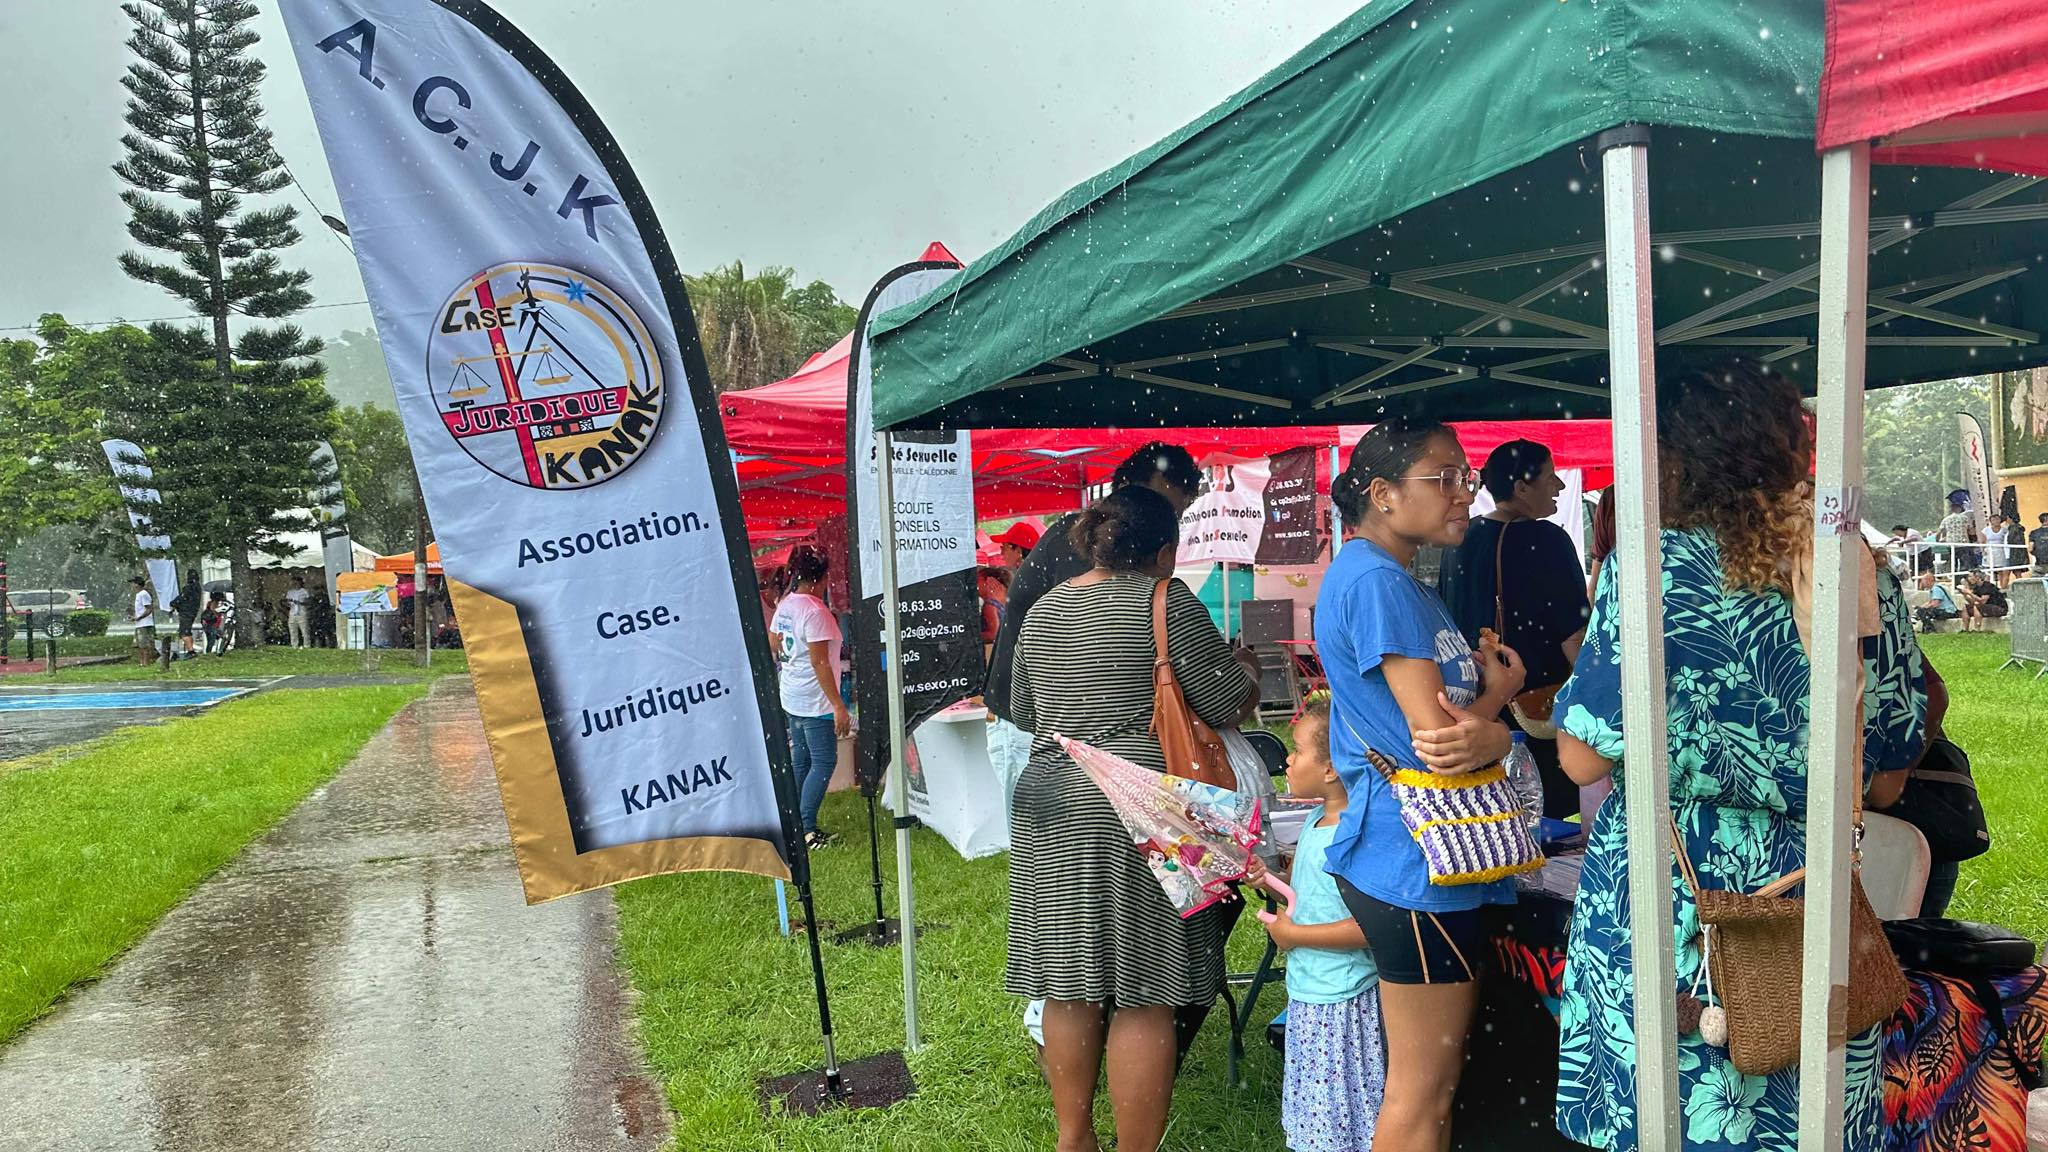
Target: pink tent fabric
(804, 414)
(1586, 445)
(1962, 83)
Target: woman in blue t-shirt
(1404, 682)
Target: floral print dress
(1738, 693)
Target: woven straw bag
(1753, 948)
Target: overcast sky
(838, 138)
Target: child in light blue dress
(1336, 1061)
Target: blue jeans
(813, 753)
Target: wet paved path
(364, 977)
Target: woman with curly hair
(1734, 448)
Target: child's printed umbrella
(1197, 838)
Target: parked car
(48, 601)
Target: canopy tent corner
(1521, 236)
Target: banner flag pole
(570, 453)
(934, 495)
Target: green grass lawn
(725, 1000)
(257, 663)
(97, 841)
(2001, 720)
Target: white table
(954, 789)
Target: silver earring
(1386, 511)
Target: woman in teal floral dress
(1734, 449)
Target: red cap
(1021, 534)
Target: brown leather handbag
(1193, 749)
(1533, 709)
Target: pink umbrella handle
(1279, 888)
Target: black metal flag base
(879, 933)
(870, 1082)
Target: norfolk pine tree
(196, 148)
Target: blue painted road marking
(146, 698)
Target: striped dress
(1088, 921)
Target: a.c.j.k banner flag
(567, 442)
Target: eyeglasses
(1450, 479)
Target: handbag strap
(1159, 648)
(1385, 767)
(1500, 603)
(1789, 880)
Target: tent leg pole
(875, 866)
(1625, 186)
(786, 800)
(1336, 516)
(906, 896)
(1837, 660)
(1224, 568)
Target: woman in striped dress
(1091, 931)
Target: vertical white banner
(563, 425)
(330, 511)
(137, 483)
(1977, 474)
(932, 488)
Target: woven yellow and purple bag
(1470, 826)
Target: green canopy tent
(1483, 209)
(1406, 215)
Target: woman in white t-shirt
(807, 638)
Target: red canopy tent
(1957, 84)
(788, 443)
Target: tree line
(229, 409)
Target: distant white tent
(306, 552)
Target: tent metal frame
(1850, 314)
(1716, 325)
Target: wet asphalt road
(364, 977)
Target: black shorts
(1412, 947)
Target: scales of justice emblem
(545, 376)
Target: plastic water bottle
(1524, 778)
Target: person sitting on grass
(1336, 1071)
(1982, 600)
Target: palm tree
(758, 329)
